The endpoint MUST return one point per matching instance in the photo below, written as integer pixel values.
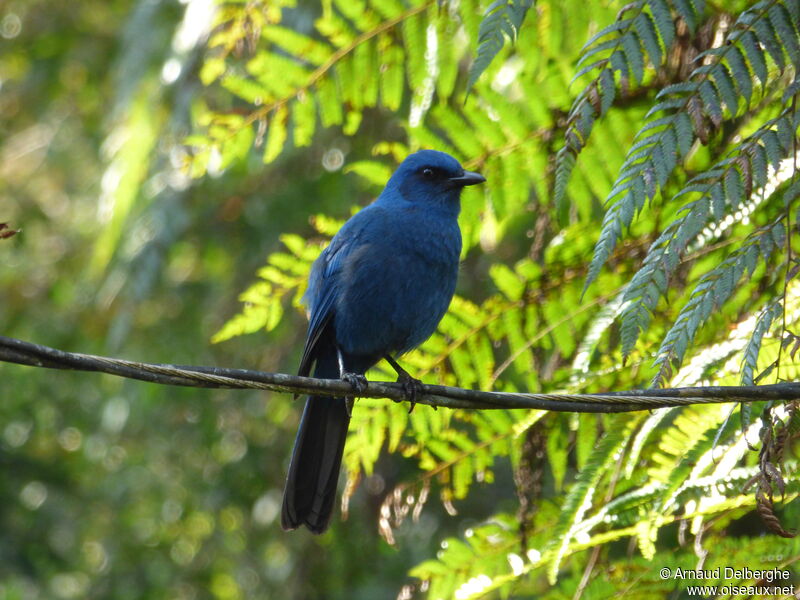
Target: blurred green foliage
(166, 159)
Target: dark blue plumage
(378, 290)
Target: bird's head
(430, 176)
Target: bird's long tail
(310, 492)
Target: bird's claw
(357, 381)
(359, 384)
(412, 388)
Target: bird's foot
(412, 387)
(359, 382)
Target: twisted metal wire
(35, 355)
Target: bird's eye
(427, 173)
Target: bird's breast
(396, 287)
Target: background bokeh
(120, 489)
(147, 205)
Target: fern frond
(720, 191)
(691, 11)
(579, 498)
(713, 290)
(644, 30)
(502, 19)
(750, 354)
(692, 109)
(316, 74)
(488, 559)
(455, 572)
(284, 274)
(681, 448)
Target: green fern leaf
(375, 172)
(689, 11)
(727, 90)
(711, 102)
(786, 32)
(663, 21)
(610, 231)
(293, 43)
(304, 113)
(565, 163)
(503, 18)
(415, 37)
(732, 185)
(580, 495)
(755, 54)
(647, 33)
(682, 451)
(391, 81)
(766, 36)
(276, 134)
(633, 56)
(330, 104)
(713, 290)
(750, 353)
(740, 73)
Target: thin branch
(35, 355)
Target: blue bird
(377, 291)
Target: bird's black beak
(467, 178)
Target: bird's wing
(324, 283)
(319, 319)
